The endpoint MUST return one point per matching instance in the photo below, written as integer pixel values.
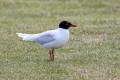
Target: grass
(92, 53)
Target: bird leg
(53, 54)
(50, 54)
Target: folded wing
(43, 39)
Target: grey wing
(43, 39)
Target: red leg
(50, 54)
(53, 54)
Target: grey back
(43, 39)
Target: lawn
(92, 53)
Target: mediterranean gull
(51, 39)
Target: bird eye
(66, 24)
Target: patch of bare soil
(94, 38)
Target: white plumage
(49, 39)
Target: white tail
(23, 36)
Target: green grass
(92, 53)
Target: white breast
(61, 36)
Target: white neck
(63, 31)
